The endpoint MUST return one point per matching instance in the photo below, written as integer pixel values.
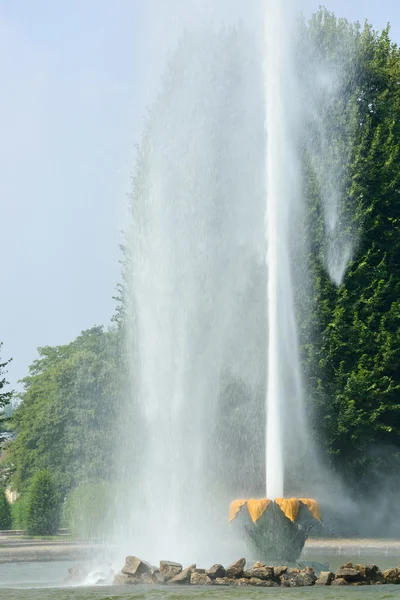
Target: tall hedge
(5, 512)
(42, 510)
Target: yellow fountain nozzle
(289, 506)
(235, 507)
(313, 507)
(257, 507)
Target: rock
(135, 567)
(200, 571)
(222, 581)
(278, 571)
(262, 582)
(123, 579)
(340, 581)
(297, 578)
(325, 578)
(169, 569)
(159, 578)
(200, 579)
(120, 579)
(239, 581)
(258, 565)
(259, 573)
(370, 573)
(392, 575)
(309, 573)
(348, 573)
(235, 570)
(183, 576)
(216, 571)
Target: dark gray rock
(325, 578)
(216, 571)
(235, 570)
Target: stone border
(135, 571)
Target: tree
(5, 512)
(43, 505)
(5, 397)
(65, 422)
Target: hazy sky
(76, 77)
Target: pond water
(47, 580)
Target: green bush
(18, 513)
(42, 505)
(88, 510)
(5, 512)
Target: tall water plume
(212, 329)
(195, 243)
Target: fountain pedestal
(275, 531)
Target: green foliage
(5, 512)
(352, 359)
(65, 422)
(5, 396)
(42, 505)
(88, 510)
(18, 513)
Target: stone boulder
(370, 573)
(262, 582)
(200, 579)
(222, 581)
(392, 575)
(134, 567)
(236, 569)
(216, 571)
(169, 569)
(325, 578)
(183, 576)
(239, 581)
(349, 573)
(297, 578)
(340, 581)
(278, 571)
(259, 572)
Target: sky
(76, 79)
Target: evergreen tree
(42, 509)
(5, 512)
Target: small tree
(42, 509)
(5, 512)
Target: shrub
(18, 513)
(42, 505)
(88, 510)
(5, 512)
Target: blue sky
(76, 78)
